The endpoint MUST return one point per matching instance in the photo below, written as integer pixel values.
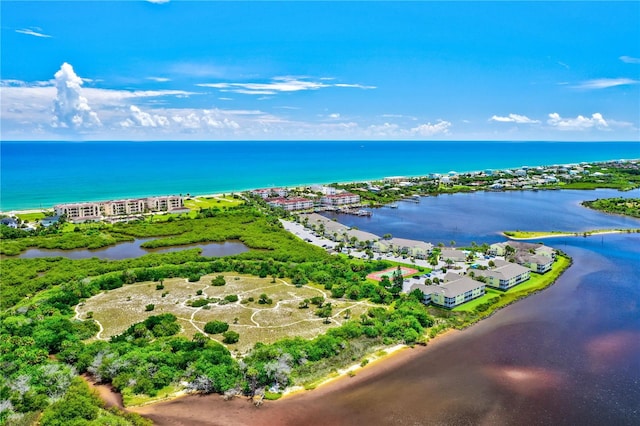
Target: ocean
(42, 174)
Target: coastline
(239, 410)
(346, 181)
(583, 234)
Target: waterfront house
(453, 293)
(536, 263)
(291, 204)
(361, 237)
(505, 276)
(453, 255)
(499, 249)
(342, 199)
(414, 248)
(327, 227)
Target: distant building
(342, 199)
(79, 212)
(9, 221)
(84, 212)
(291, 204)
(49, 220)
(325, 190)
(265, 193)
(414, 248)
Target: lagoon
(128, 250)
(569, 355)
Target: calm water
(41, 174)
(569, 355)
(481, 216)
(128, 250)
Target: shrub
(218, 281)
(193, 278)
(230, 337)
(216, 327)
(231, 298)
(199, 293)
(199, 302)
(150, 307)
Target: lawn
(221, 202)
(117, 309)
(535, 283)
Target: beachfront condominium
(83, 212)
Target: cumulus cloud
(514, 118)
(71, 109)
(33, 31)
(278, 85)
(158, 1)
(144, 119)
(629, 60)
(428, 129)
(580, 123)
(334, 116)
(604, 83)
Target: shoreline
(394, 357)
(583, 234)
(28, 210)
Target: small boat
(393, 206)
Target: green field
(221, 202)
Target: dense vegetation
(624, 206)
(43, 348)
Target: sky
(177, 70)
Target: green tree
(230, 337)
(216, 327)
(218, 281)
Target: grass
(221, 202)
(537, 282)
(31, 217)
(131, 400)
(117, 309)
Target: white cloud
(428, 129)
(334, 116)
(159, 79)
(33, 31)
(144, 119)
(278, 85)
(158, 1)
(71, 109)
(514, 118)
(580, 123)
(629, 60)
(604, 83)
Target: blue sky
(143, 70)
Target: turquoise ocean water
(41, 174)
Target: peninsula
(309, 297)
